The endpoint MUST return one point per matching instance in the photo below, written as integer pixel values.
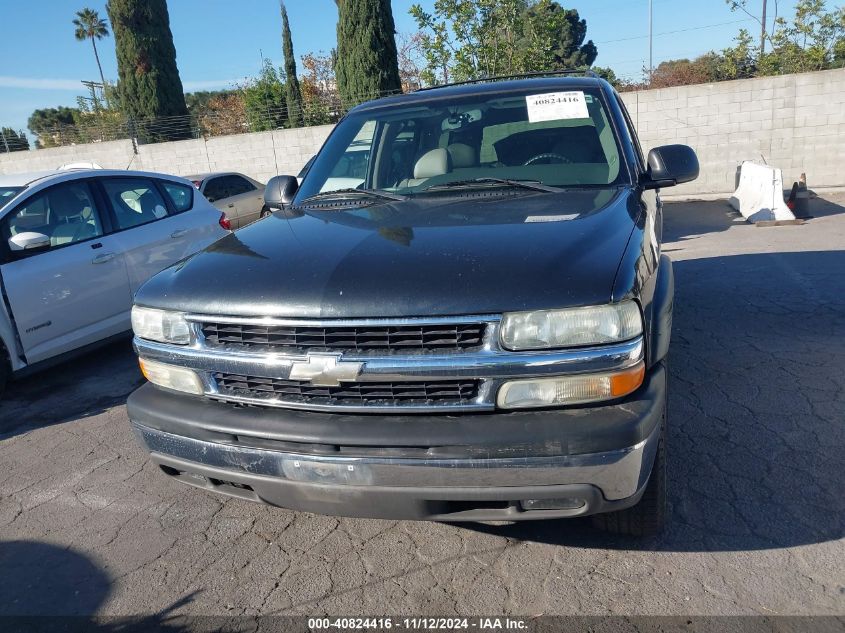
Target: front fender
(661, 315)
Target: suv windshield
(7, 193)
(558, 139)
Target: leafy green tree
(468, 39)
(554, 37)
(201, 102)
(149, 85)
(294, 94)
(225, 113)
(89, 25)
(809, 41)
(366, 50)
(319, 88)
(48, 124)
(11, 141)
(264, 100)
(739, 61)
(813, 39)
(839, 54)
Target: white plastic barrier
(759, 195)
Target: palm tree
(89, 25)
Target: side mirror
(280, 191)
(28, 241)
(670, 165)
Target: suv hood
(469, 252)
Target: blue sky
(219, 42)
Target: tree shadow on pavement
(51, 588)
(757, 399)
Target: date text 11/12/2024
(418, 623)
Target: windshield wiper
(525, 184)
(368, 193)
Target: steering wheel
(558, 157)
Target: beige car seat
(74, 219)
(463, 155)
(436, 162)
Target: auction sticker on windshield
(555, 106)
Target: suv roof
(484, 87)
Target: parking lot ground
(756, 444)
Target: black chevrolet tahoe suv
(461, 314)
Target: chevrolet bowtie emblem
(324, 370)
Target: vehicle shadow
(47, 587)
(821, 207)
(689, 219)
(86, 385)
(696, 217)
(757, 399)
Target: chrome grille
(439, 364)
(439, 392)
(372, 337)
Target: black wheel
(264, 213)
(651, 513)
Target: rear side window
(238, 185)
(215, 189)
(135, 201)
(182, 196)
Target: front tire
(264, 213)
(651, 513)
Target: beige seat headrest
(433, 163)
(463, 155)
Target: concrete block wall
(796, 122)
(112, 155)
(259, 154)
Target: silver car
(76, 245)
(240, 197)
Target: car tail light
(197, 183)
(225, 222)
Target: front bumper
(444, 467)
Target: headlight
(160, 325)
(171, 377)
(565, 390)
(593, 325)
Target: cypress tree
(366, 50)
(294, 95)
(149, 84)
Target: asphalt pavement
(756, 442)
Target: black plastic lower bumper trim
(553, 432)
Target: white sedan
(76, 245)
